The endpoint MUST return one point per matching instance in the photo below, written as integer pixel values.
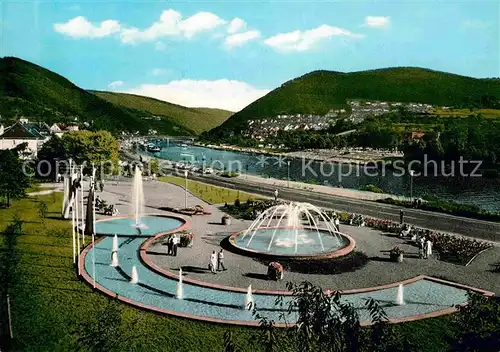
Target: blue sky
(228, 53)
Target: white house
(34, 135)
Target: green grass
(487, 113)
(210, 194)
(50, 301)
(196, 119)
(37, 188)
(319, 91)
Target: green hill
(197, 119)
(319, 91)
(29, 90)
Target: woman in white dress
(213, 262)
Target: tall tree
(14, 178)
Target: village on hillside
(357, 112)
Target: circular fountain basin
(150, 225)
(283, 243)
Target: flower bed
(451, 248)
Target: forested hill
(196, 119)
(32, 91)
(319, 91)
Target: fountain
(179, 285)
(115, 244)
(400, 296)
(138, 198)
(134, 277)
(294, 229)
(249, 302)
(114, 259)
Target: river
(480, 191)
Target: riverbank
(334, 191)
(338, 156)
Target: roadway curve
(480, 229)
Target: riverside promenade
(358, 202)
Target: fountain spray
(135, 276)
(400, 296)
(249, 302)
(179, 286)
(114, 259)
(115, 244)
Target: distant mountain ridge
(27, 89)
(197, 119)
(319, 91)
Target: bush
(349, 263)
(372, 188)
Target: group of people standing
(217, 261)
(172, 245)
(424, 247)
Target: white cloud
(305, 40)
(377, 21)
(171, 24)
(80, 27)
(239, 39)
(159, 71)
(116, 84)
(224, 94)
(236, 25)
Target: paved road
(447, 223)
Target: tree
(99, 148)
(326, 323)
(9, 260)
(477, 325)
(13, 179)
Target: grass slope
(29, 90)
(50, 302)
(210, 194)
(196, 119)
(319, 91)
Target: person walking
(220, 260)
(401, 216)
(275, 194)
(428, 248)
(101, 186)
(213, 262)
(175, 244)
(337, 223)
(169, 245)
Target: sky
(226, 54)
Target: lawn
(49, 302)
(488, 113)
(210, 194)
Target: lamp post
(185, 189)
(411, 185)
(288, 169)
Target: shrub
(372, 188)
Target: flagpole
(73, 232)
(81, 196)
(77, 231)
(93, 229)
